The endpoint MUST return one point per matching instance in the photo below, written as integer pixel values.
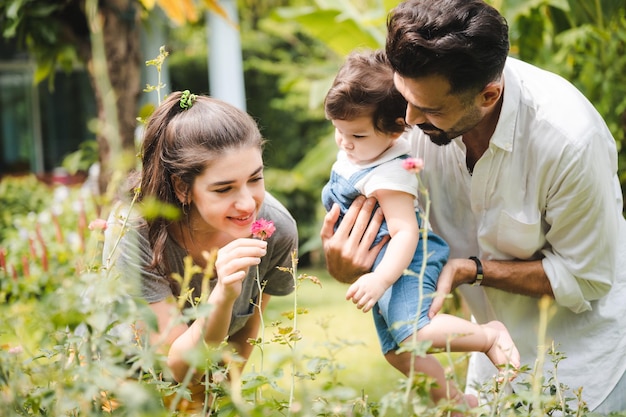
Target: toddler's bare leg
(465, 336)
(502, 350)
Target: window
(40, 125)
(20, 138)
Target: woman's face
(229, 192)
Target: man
(521, 173)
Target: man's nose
(414, 116)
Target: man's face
(431, 107)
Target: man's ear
(492, 93)
(181, 189)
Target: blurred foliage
(19, 196)
(181, 12)
(282, 65)
(584, 42)
(292, 53)
(49, 30)
(58, 356)
(70, 345)
(293, 48)
(59, 303)
(81, 159)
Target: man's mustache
(428, 126)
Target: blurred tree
(104, 36)
(583, 41)
(282, 65)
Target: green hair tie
(187, 99)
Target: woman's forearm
(212, 330)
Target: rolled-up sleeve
(582, 217)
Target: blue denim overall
(400, 303)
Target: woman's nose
(245, 200)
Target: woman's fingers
(234, 259)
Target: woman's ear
(181, 189)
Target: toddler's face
(360, 141)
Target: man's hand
(453, 274)
(347, 251)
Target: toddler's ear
(402, 123)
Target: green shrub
(19, 196)
(68, 345)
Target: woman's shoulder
(274, 210)
(286, 228)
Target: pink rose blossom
(16, 350)
(414, 165)
(263, 229)
(98, 224)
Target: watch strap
(479, 271)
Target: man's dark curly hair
(465, 41)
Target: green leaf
(43, 70)
(14, 8)
(339, 33)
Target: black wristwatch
(479, 271)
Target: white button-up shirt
(547, 188)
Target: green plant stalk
(294, 274)
(544, 304)
(414, 341)
(259, 306)
(157, 63)
(598, 4)
(559, 391)
(188, 376)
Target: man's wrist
(478, 279)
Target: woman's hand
(348, 250)
(232, 264)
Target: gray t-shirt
(136, 255)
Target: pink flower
(414, 165)
(98, 224)
(16, 350)
(263, 229)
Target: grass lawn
(335, 329)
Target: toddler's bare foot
(503, 352)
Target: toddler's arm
(399, 213)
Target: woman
(204, 157)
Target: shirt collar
(504, 135)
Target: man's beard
(436, 135)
